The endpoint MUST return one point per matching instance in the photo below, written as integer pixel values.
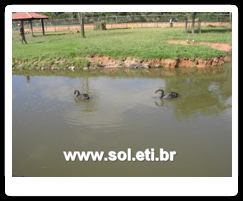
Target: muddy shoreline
(99, 62)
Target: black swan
(168, 95)
(80, 97)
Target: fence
(132, 21)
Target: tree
(81, 17)
(193, 21)
(74, 15)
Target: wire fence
(132, 21)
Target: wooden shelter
(29, 16)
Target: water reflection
(159, 103)
(89, 105)
(28, 79)
(205, 95)
(123, 112)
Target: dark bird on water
(80, 97)
(169, 95)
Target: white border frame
(76, 186)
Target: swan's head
(76, 92)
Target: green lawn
(138, 43)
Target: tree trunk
(81, 17)
(186, 24)
(193, 22)
(199, 25)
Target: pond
(123, 112)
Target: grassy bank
(69, 49)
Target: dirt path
(124, 25)
(219, 46)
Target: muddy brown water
(123, 113)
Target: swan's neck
(77, 93)
(162, 94)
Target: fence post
(230, 16)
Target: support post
(31, 27)
(42, 25)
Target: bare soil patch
(219, 46)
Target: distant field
(118, 43)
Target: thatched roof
(27, 16)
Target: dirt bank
(99, 61)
